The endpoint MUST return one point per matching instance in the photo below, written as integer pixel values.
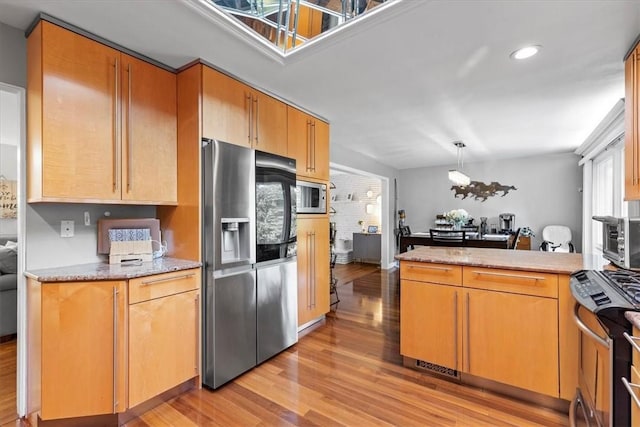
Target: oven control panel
(585, 288)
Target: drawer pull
(420, 267)
(512, 276)
(632, 340)
(630, 386)
(166, 279)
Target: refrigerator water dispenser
(236, 240)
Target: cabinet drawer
(513, 281)
(429, 272)
(161, 285)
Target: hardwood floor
(347, 371)
(8, 380)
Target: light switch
(66, 228)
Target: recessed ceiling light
(525, 52)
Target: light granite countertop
(544, 262)
(105, 271)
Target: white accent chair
(556, 238)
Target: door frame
(21, 353)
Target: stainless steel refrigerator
(248, 305)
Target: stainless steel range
(605, 354)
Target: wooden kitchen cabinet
(113, 344)
(631, 137)
(236, 113)
(308, 143)
(83, 346)
(429, 318)
(313, 268)
(101, 124)
(164, 327)
(497, 324)
(512, 339)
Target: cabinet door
(163, 343)
(320, 144)
(430, 317)
(270, 121)
(79, 139)
(226, 107)
(512, 339)
(631, 148)
(308, 143)
(313, 268)
(149, 141)
(83, 329)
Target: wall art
(480, 190)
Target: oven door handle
(573, 409)
(605, 342)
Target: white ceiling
(400, 86)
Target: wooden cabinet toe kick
(453, 375)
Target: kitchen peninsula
(491, 317)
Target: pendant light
(456, 175)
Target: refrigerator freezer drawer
(229, 327)
(277, 290)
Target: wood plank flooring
(8, 380)
(347, 371)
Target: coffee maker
(507, 222)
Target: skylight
(289, 24)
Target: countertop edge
(105, 272)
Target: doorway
(359, 205)
(12, 251)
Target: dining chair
(448, 237)
(514, 243)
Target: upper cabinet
(236, 113)
(308, 143)
(101, 125)
(631, 142)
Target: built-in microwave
(311, 197)
(621, 240)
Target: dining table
(473, 240)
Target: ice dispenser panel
(236, 240)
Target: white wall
(349, 159)
(548, 192)
(349, 212)
(13, 56)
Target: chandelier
(456, 175)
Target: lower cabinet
(83, 349)
(512, 339)
(106, 346)
(313, 268)
(499, 325)
(430, 316)
(163, 335)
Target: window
(607, 189)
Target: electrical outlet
(87, 218)
(66, 228)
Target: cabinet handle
(248, 105)
(166, 279)
(115, 349)
(512, 276)
(313, 145)
(632, 340)
(197, 302)
(420, 267)
(309, 276)
(308, 145)
(468, 335)
(630, 386)
(115, 125)
(313, 269)
(455, 327)
(256, 118)
(129, 134)
(634, 72)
